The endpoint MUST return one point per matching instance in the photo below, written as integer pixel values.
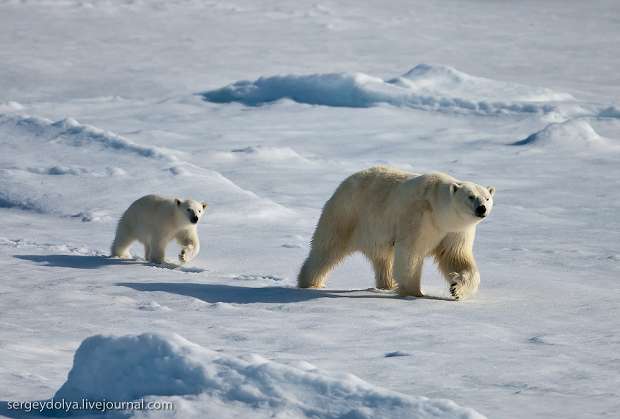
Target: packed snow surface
(261, 109)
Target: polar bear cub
(396, 219)
(154, 221)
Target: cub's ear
(491, 190)
(204, 205)
(178, 202)
(454, 187)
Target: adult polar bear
(396, 219)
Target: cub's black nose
(481, 211)
(194, 219)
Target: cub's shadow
(218, 293)
(96, 262)
(75, 261)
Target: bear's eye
(189, 210)
(471, 197)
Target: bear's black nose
(481, 211)
(194, 219)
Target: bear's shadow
(75, 261)
(233, 294)
(95, 262)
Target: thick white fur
(154, 221)
(397, 219)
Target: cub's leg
(157, 250)
(190, 244)
(147, 251)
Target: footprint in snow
(256, 277)
(396, 354)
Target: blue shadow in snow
(218, 293)
(95, 262)
(75, 261)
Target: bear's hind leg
(121, 244)
(330, 244)
(318, 264)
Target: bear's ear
(454, 187)
(204, 205)
(491, 190)
(177, 201)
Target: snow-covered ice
(261, 109)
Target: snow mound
(265, 154)
(70, 132)
(609, 112)
(18, 201)
(131, 367)
(573, 134)
(439, 80)
(11, 106)
(426, 87)
(63, 169)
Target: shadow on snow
(95, 262)
(218, 293)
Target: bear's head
(190, 211)
(472, 202)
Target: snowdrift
(426, 87)
(573, 134)
(46, 156)
(75, 134)
(208, 383)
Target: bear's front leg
(454, 256)
(407, 269)
(464, 283)
(188, 239)
(187, 253)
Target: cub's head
(473, 202)
(191, 210)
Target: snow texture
(132, 367)
(425, 87)
(261, 109)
